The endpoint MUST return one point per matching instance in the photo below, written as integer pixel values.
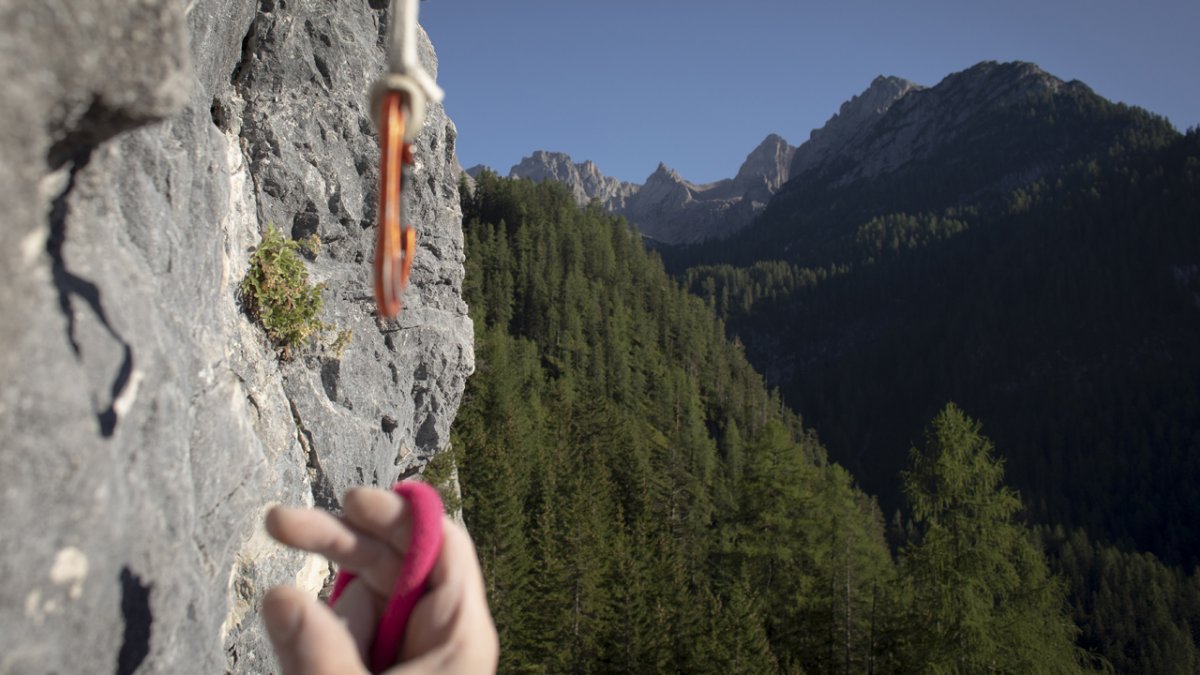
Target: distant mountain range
(672, 210)
(668, 208)
(891, 126)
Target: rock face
(894, 122)
(584, 180)
(850, 125)
(668, 208)
(767, 166)
(147, 424)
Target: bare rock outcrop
(584, 180)
(850, 124)
(668, 208)
(895, 123)
(147, 423)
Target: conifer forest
(975, 449)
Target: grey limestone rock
(675, 211)
(667, 207)
(917, 126)
(584, 180)
(768, 166)
(147, 424)
(851, 124)
(894, 122)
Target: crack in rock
(322, 489)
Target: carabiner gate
(397, 102)
(395, 240)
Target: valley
(1003, 240)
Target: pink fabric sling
(425, 508)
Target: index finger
(375, 562)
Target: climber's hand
(450, 630)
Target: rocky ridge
(584, 180)
(668, 208)
(896, 123)
(147, 423)
(851, 123)
(892, 123)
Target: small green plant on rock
(442, 473)
(311, 245)
(277, 295)
(341, 342)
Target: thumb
(308, 638)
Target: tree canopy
(641, 502)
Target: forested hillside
(1064, 313)
(642, 503)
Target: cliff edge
(147, 424)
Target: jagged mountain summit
(767, 165)
(851, 123)
(894, 125)
(897, 125)
(667, 207)
(584, 179)
(672, 210)
(901, 147)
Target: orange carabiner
(395, 241)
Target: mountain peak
(667, 207)
(768, 166)
(665, 173)
(888, 82)
(883, 91)
(1002, 81)
(974, 112)
(584, 179)
(542, 160)
(851, 122)
(895, 121)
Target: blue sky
(630, 83)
